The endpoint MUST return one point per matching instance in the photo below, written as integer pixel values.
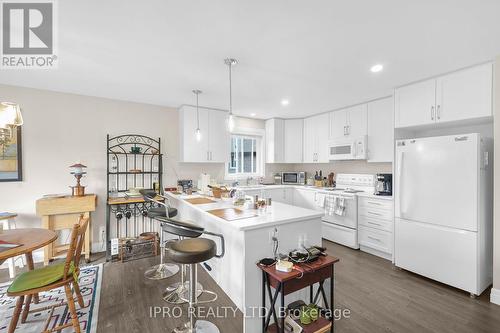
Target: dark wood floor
(379, 297)
(127, 298)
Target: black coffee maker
(384, 184)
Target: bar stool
(163, 270)
(192, 251)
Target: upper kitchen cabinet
(275, 140)
(218, 136)
(415, 104)
(284, 140)
(316, 136)
(349, 122)
(380, 130)
(466, 94)
(214, 143)
(293, 138)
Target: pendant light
(230, 62)
(198, 131)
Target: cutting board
(199, 201)
(232, 214)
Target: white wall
(495, 293)
(345, 167)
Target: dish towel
(339, 206)
(320, 200)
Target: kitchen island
(247, 241)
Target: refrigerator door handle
(398, 183)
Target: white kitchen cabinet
(316, 137)
(306, 198)
(415, 104)
(465, 94)
(338, 124)
(380, 130)
(218, 137)
(350, 122)
(283, 195)
(275, 140)
(293, 140)
(462, 95)
(284, 140)
(376, 226)
(214, 144)
(309, 141)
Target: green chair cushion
(40, 277)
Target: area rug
(90, 287)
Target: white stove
(340, 223)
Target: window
(245, 157)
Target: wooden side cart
(62, 213)
(306, 276)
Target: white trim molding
(495, 296)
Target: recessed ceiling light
(253, 114)
(377, 68)
(285, 102)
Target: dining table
(29, 240)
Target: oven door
(350, 217)
(290, 177)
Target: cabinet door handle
(377, 224)
(348, 129)
(377, 214)
(211, 156)
(432, 112)
(438, 112)
(374, 238)
(374, 203)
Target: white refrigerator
(444, 209)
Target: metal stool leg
(193, 325)
(163, 270)
(178, 293)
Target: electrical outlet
(102, 232)
(273, 233)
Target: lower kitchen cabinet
(283, 195)
(376, 226)
(305, 198)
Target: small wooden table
(61, 213)
(31, 240)
(286, 283)
(9, 222)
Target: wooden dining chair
(51, 277)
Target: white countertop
(312, 188)
(278, 213)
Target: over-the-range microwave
(348, 149)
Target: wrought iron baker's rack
(133, 161)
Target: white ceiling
(315, 53)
